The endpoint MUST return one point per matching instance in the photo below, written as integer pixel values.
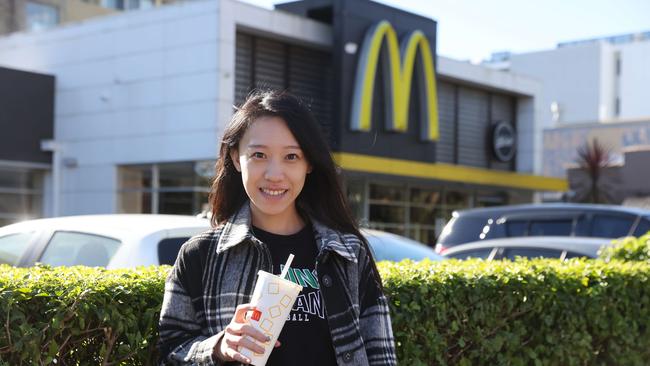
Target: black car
(556, 219)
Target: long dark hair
(322, 196)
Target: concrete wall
(569, 76)
(635, 80)
(636, 174)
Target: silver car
(124, 240)
(560, 247)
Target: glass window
(176, 175)
(582, 227)
(482, 253)
(13, 246)
(423, 215)
(21, 205)
(388, 214)
(642, 228)
(462, 230)
(516, 228)
(425, 196)
(21, 179)
(136, 177)
(174, 188)
(21, 195)
(456, 200)
(512, 253)
(391, 248)
(356, 194)
(135, 202)
(71, 249)
(387, 193)
(423, 234)
(40, 16)
(490, 199)
(182, 203)
(550, 227)
(610, 226)
(168, 249)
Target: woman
(276, 192)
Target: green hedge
(541, 312)
(628, 249)
(79, 315)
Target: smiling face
(273, 169)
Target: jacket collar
(238, 229)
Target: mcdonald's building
(142, 97)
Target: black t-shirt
(305, 337)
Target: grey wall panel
(473, 122)
(243, 67)
(26, 115)
(446, 144)
(310, 77)
(501, 109)
(269, 64)
(265, 63)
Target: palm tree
(593, 159)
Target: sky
(474, 29)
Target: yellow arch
(401, 76)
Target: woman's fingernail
(268, 338)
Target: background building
(594, 80)
(591, 89)
(28, 15)
(142, 98)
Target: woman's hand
(234, 338)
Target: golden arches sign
(399, 64)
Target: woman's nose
(273, 171)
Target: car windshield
(13, 246)
(481, 253)
(387, 247)
(75, 248)
(461, 230)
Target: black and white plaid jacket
(216, 271)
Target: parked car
(560, 247)
(392, 247)
(124, 240)
(558, 219)
(120, 240)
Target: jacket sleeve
(374, 317)
(183, 337)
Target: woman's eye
(258, 155)
(292, 156)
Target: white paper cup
(273, 299)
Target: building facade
(591, 89)
(28, 15)
(142, 98)
(593, 80)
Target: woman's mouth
(273, 192)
